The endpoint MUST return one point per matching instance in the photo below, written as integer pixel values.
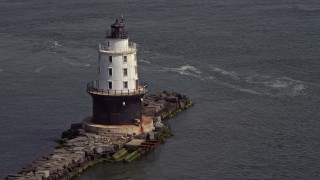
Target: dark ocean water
(251, 67)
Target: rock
(163, 95)
(82, 154)
(15, 177)
(98, 150)
(36, 177)
(162, 102)
(76, 126)
(59, 151)
(182, 104)
(60, 173)
(30, 174)
(69, 134)
(57, 156)
(88, 151)
(158, 125)
(75, 149)
(179, 96)
(43, 174)
(94, 157)
(107, 148)
(28, 169)
(172, 99)
(55, 176)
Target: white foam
(210, 77)
(250, 91)
(74, 63)
(297, 89)
(259, 84)
(40, 69)
(277, 84)
(232, 74)
(185, 70)
(54, 44)
(144, 61)
(87, 56)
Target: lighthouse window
(125, 84)
(108, 44)
(125, 72)
(110, 71)
(110, 59)
(125, 59)
(110, 85)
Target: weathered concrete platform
(146, 125)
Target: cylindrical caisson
(116, 110)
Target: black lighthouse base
(116, 110)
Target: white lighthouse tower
(117, 94)
(118, 61)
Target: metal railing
(93, 88)
(132, 47)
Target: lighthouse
(117, 94)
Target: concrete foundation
(145, 126)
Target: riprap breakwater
(78, 149)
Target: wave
(144, 61)
(40, 69)
(87, 56)
(232, 74)
(250, 91)
(1, 70)
(257, 83)
(184, 70)
(278, 83)
(53, 44)
(69, 61)
(208, 78)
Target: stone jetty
(79, 149)
(165, 104)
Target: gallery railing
(132, 47)
(93, 88)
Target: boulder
(75, 149)
(28, 169)
(81, 154)
(163, 95)
(172, 99)
(43, 174)
(98, 150)
(15, 177)
(88, 151)
(107, 148)
(76, 126)
(182, 104)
